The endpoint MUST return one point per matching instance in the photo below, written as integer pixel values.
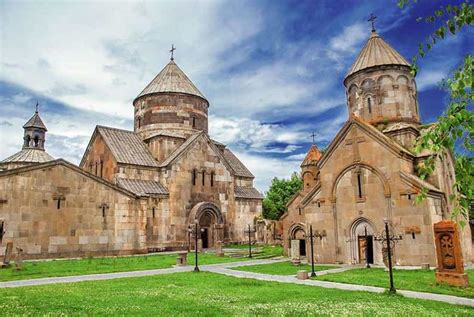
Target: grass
(414, 280)
(267, 250)
(208, 294)
(282, 268)
(56, 268)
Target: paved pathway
(226, 269)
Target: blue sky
(272, 70)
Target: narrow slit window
(2, 230)
(96, 168)
(194, 177)
(101, 167)
(103, 211)
(212, 179)
(194, 122)
(369, 104)
(319, 204)
(203, 178)
(359, 185)
(153, 212)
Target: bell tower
(309, 168)
(379, 86)
(34, 135)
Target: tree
(454, 129)
(278, 195)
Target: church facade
(367, 175)
(134, 191)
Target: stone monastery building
(134, 191)
(368, 173)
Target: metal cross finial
(37, 105)
(313, 135)
(372, 19)
(172, 51)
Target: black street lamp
(250, 231)
(195, 230)
(311, 237)
(367, 264)
(387, 241)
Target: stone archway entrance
(362, 247)
(297, 236)
(210, 221)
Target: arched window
(203, 178)
(369, 104)
(36, 140)
(193, 176)
(27, 140)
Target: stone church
(368, 174)
(134, 191)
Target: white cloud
(429, 78)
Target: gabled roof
(237, 166)
(35, 122)
(142, 187)
(69, 165)
(376, 52)
(419, 183)
(313, 156)
(126, 146)
(228, 158)
(247, 192)
(392, 145)
(29, 156)
(171, 79)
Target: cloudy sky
(272, 70)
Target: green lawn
(267, 250)
(414, 280)
(282, 268)
(40, 269)
(209, 294)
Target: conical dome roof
(35, 122)
(171, 79)
(376, 52)
(312, 157)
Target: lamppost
(367, 265)
(195, 230)
(387, 239)
(311, 236)
(250, 231)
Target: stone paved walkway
(226, 269)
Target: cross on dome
(372, 19)
(172, 51)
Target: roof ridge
(112, 128)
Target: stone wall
(171, 112)
(79, 225)
(100, 160)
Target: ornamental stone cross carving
(354, 142)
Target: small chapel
(134, 191)
(367, 175)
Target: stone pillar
(449, 254)
(295, 252)
(199, 245)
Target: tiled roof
(29, 156)
(171, 79)
(127, 147)
(142, 187)
(238, 167)
(247, 192)
(35, 122)
(312, 157)
(418, 181)
(376, 52)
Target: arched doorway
(297, 232)
(362, 245)
(211, 223)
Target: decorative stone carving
(449, 254)
(295, 252)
